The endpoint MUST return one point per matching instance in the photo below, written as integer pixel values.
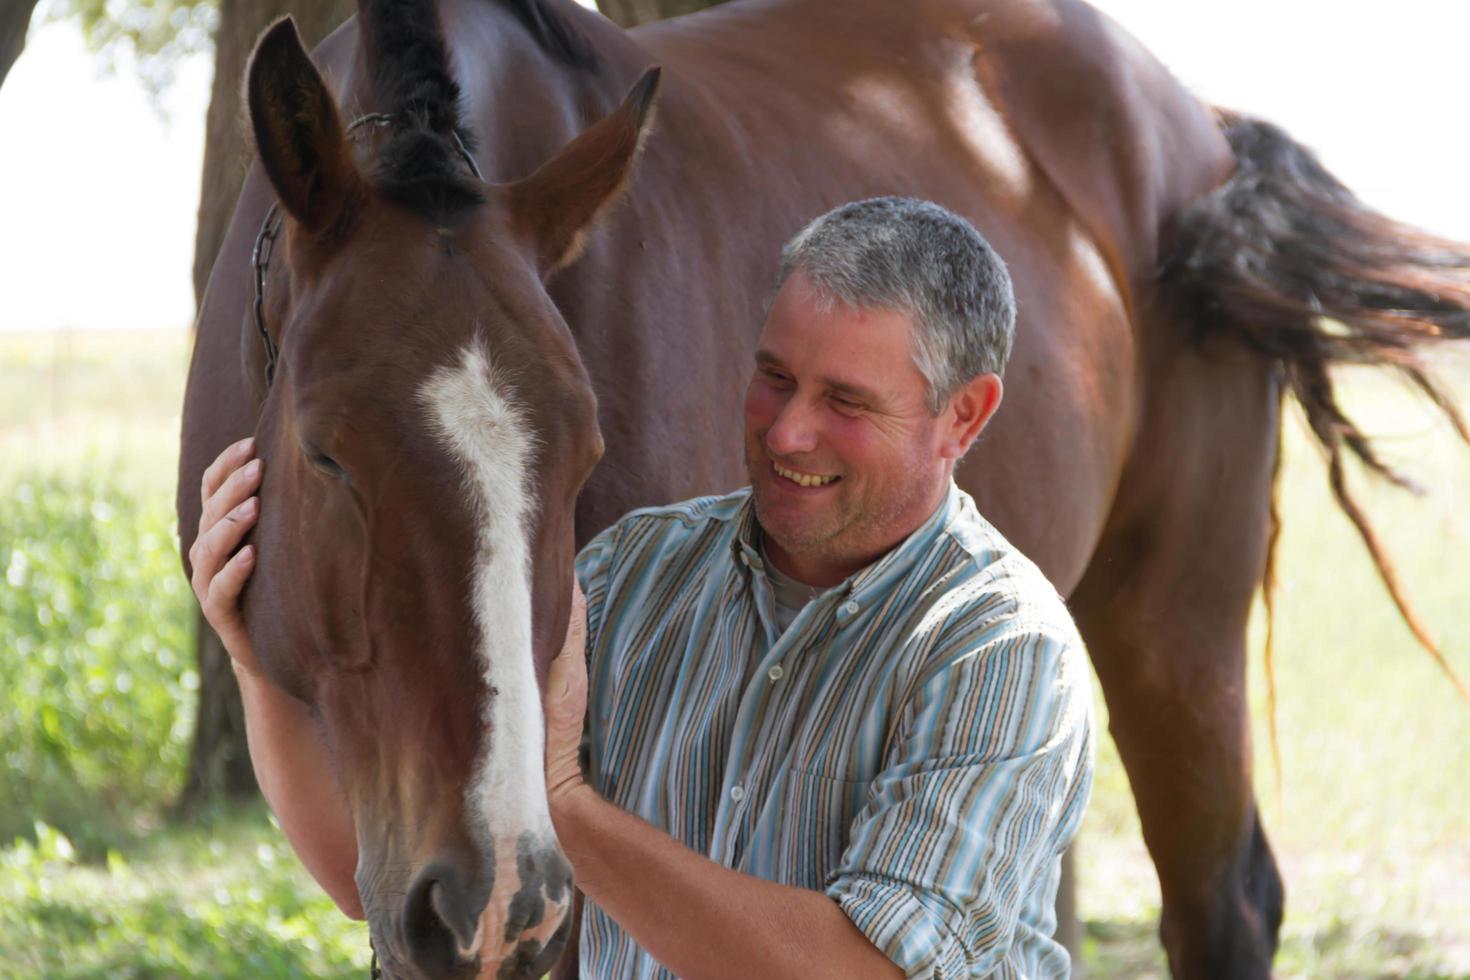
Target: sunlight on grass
(224, 897)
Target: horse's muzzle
(444, 933)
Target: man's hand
(292, 763)
(566, 705)
(230, 510)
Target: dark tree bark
(15, 19)
(219, 762)
(631, 13)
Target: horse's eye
(327, 464)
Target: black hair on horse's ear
(554, 207)
(298, 131)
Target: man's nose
(794, 430)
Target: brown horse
(455, 354)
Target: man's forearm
(295, 775)
(697, 918)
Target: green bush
(96, 679)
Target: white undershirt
(791, 596)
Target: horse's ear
(298, 132)
(556, 205)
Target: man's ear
(298, 132)
(554, 207)
(970, 409)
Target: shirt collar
(872, 580)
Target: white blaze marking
(474, 412)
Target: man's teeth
(804, 479)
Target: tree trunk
(631, 13)
(219, 762)
(15, 19)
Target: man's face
(844, 456)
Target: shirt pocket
(807, 823)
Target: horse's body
(1133, 457)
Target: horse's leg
(1163, 607)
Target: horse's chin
(533, 953)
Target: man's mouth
(803, 479)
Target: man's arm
(290, 759)
(697, 918)
(694, 916)
(984, 779)
(295, 776)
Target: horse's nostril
(439, 927)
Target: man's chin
(790, 525)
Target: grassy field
(1371, 826)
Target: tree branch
(15, 19)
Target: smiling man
(838, 726)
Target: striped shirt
(917, 744)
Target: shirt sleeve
(984, 780)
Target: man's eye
(774, 377)
(844, 404)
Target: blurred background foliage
(156, 33)
(99, 681)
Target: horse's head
(426, 434)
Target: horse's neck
(519, 100)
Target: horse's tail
(1285, 258)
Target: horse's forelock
(409, 67)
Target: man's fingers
(227, 462)
(566, 695)
(213, 546)
(238, 485)
(556, 680)
(224, 588)
(577, 623)
(569, 667)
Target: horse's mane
(420, 166)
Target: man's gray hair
(915, 257)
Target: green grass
(220, 897)
(1372, 825)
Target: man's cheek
(762, 404)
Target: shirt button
(850, 608)
(737, 794)
(775, 673)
